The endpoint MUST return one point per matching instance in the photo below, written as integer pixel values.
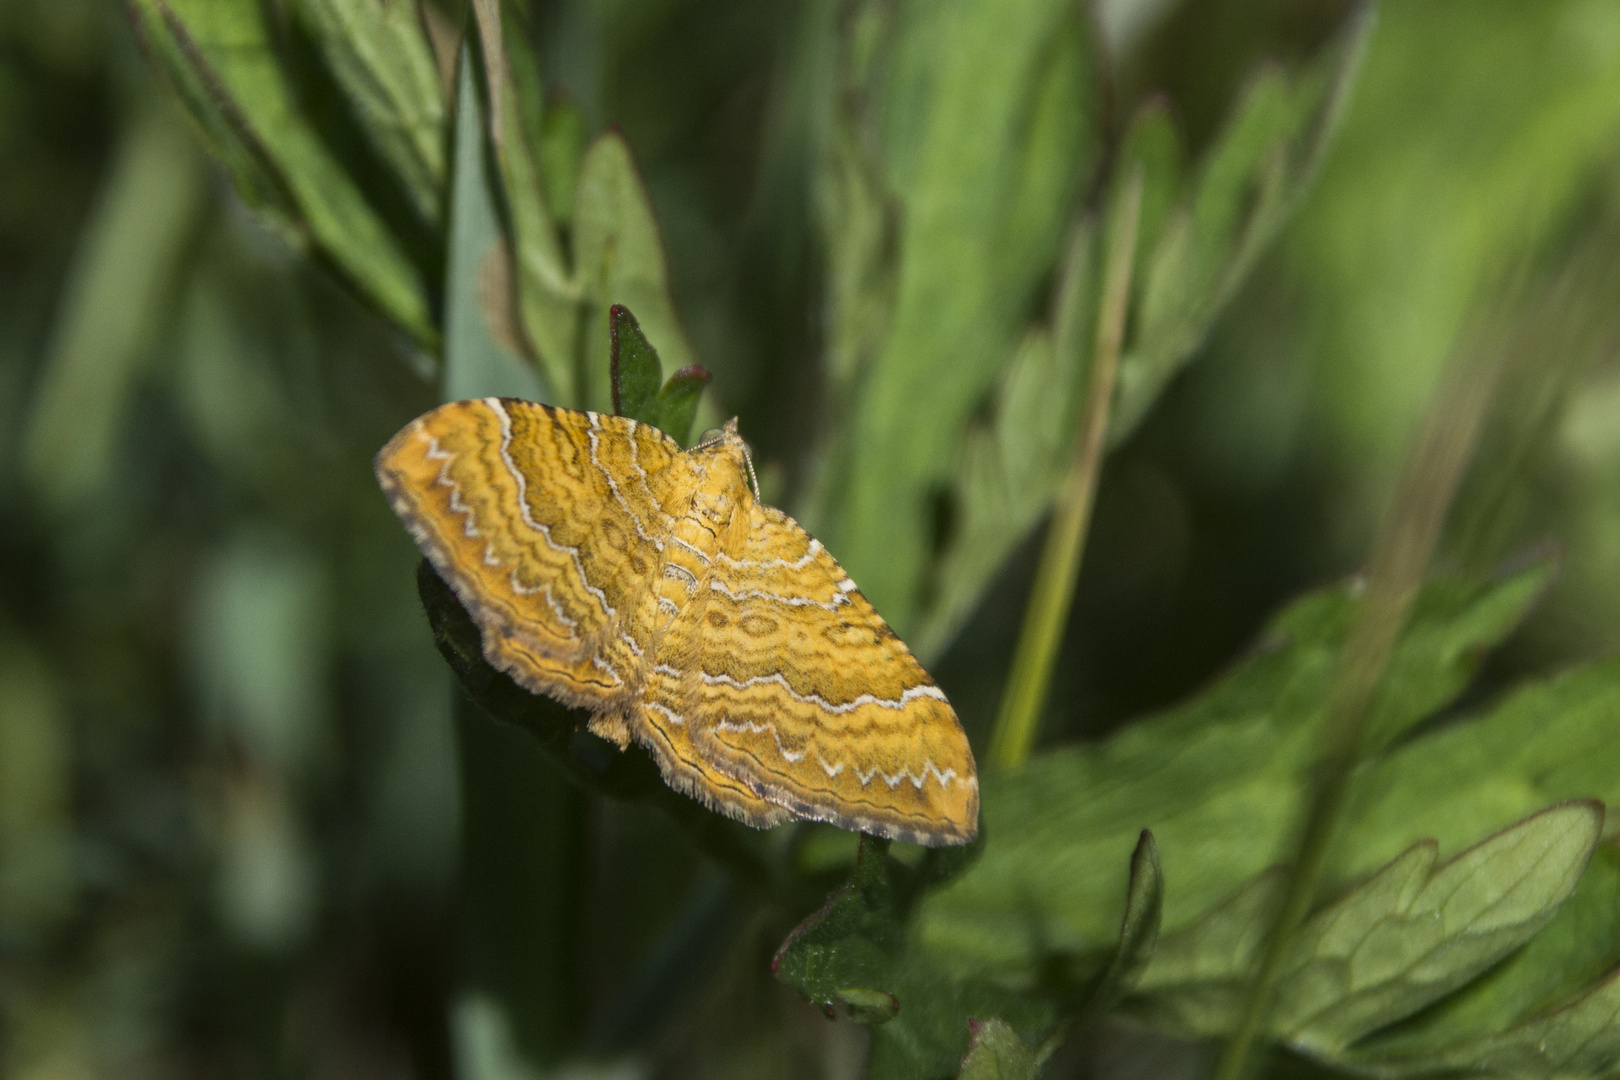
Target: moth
(610, 569)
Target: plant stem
(1053, 594)
(1427, 487)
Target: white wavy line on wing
(792, 601)
(613, 485)
(832, 769)
(646, 485)
(907, 696)
(689, 547)
(597, 661)
(437, 453)
(759, 729)
(770, 564)
(673, 716)
(495, 406)
(676, 570)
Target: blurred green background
(231, 815)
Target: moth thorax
(725, 481)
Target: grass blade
(1048, 613)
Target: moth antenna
(748, 459)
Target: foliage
(247, 824)
(636, 374)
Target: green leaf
(856, 952)
(853, 940)
(219, 58)
(1581, 1039)
(1245, 189)
(995, 1052)
(1138, 937)
(1198, 240)
(481, 344)
(560, 150)
(1139, 929)
(636, 371)
(619, 259)
(1550, 740)
(981, 224)
(1196, 983)
(224, 130)
(1152, 144)
(1574, 951)
(379, 56)
(548, 296)
(1216, 779)
(678, 401)
(1406, 937)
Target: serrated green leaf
(981, 224)
(619, 259)
(995, 1052)
(482, 354)
(1369, 927)
(1197, 244)
(218, 56)
(1453, 622)
(1572, 952)
(1580, 1040)
(1216, 779)
(1247, 186)
(377, 53)
(1407, 938)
